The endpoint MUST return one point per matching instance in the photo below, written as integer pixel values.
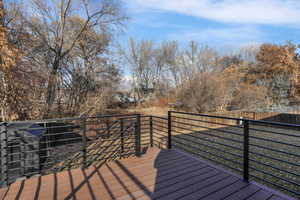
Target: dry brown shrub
(208, 92)
(250, 97)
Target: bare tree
(57, 27)
(140, 58)
(196, 60)
(167, 63)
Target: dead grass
(157, 111)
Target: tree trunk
(51, 89)
(4, 104)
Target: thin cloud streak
(272, 12)
(233, 36)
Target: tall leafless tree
(58, 29)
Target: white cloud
(237, 35)
(275, 12)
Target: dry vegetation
(62, 65)
(198, 78)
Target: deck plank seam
(237, 190)
(260, 189)
(233, 192)
(271, 197)
(146, 181)
(206, 186)
(139, 167)
(122, 184)
(190, 164)
(176, 182)
(5, 193)
(108, 189)
(166, 180)
(194, 183)
(219, 189)
(195, 190)
(166, 160)
(200, 174)
(168, 173)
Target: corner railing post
(169, 129)
(138, 135)
(84, 143)
(151, 131)
(246, 151)
(4, 155)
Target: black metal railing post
(108, 128)
(4, 155)
(246, 151)
(23, 159)
(151, 131)
(169, 129)
(84, 143)
(138, 135)
(122, 134)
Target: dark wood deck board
(227, 191)
(216, 176)
(244, 193)
(150, 174)
(158, 174)
(212, 188)
(274, 197)
(261, 194)
(178, 187)
(165, 185)
(148, 180)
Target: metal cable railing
(267, 152)
(47, 146)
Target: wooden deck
(158, 174)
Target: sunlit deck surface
(158, 174)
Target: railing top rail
(243, 119)
(71, 118)
(159, 117)
(134, 114)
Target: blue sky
(223, 24)
(218, 23)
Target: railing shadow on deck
(49, 146)
(70, 177)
